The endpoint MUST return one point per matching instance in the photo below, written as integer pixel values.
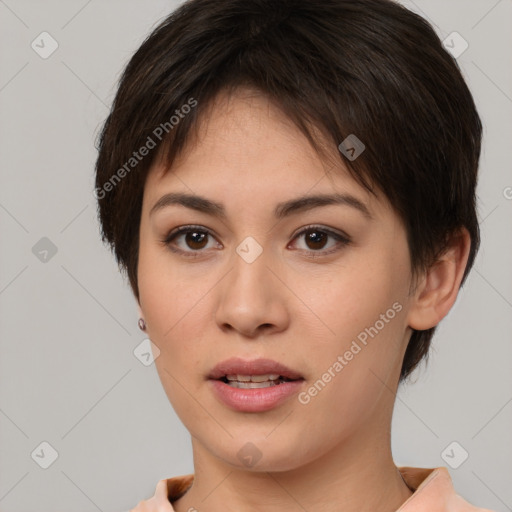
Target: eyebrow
(282, 210)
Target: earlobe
(437, 291)
(141, 322)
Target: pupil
(316, 238)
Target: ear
(437, 290)
(141, 314)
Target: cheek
(364, 310)
(168, 295)
(351, 298)
(355, 375)
(172, 308)
(159, 290)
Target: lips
(254, 386)
(240, 370)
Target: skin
(333, 453)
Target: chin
(257, 454)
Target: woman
(290, 188)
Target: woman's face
(319, 289)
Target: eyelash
(343, 240)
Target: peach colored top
(433, 492)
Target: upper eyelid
(187, 228)
(329, 231)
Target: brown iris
(315, 237)
(196, 239)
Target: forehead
(238, 127)
(246, 146)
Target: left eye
(316, 239)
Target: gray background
(68, 375)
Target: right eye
(195, 238)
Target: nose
(252, 300)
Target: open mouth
(254, 381)
(256, 385)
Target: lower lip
(255, 400)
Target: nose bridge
(250, 296)
(250, 274)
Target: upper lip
(238, 366)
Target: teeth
(252, 385)
(253, 378)
(254, 381)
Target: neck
(358, 475)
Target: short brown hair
(366, 67)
